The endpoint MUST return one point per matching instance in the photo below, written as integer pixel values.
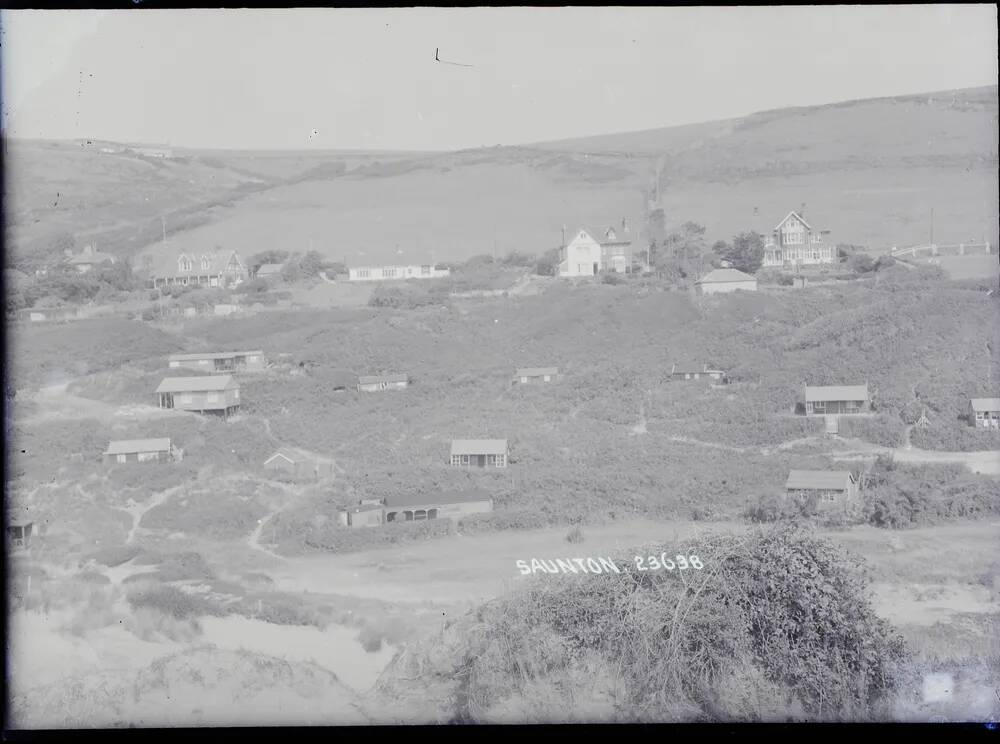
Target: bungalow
(122, 451)
(821, 400)
(447, 505)
(719, 281)
(19, 532)
(374, 383)
(830, 486)
(985, 413)
(794, 243)
(362, 515)
(299, 464)
(220, 361)
(215, 268)
(383, 273)
(88, 259)
(482, 453)
(592, 251)
(693, 373)
(215, 394)
(529, 375)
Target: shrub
(575, 535)
(171, 601)
(612, 277)
(777, 607)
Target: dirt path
(985, 462)
(56, 402)
(137, 511)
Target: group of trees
(684, 253)
(297, 266)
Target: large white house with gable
(589, 252)
(794, 242)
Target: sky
(367, 78)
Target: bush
(612, 277)
(575, 536)
(171, 601)
(773, 507)
(776, 619)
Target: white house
(389, 273)
(726, 280)
(794, 242)
(590, 252)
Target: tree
(291, 273)
(861, 263)
(745, 253)
(548, 264)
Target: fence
(933, 249)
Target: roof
(287, 454)
(797, 216)
(94, 257)
(445, 497)
(818, 480)
(719, 276)
(836, 392)
(682, 370)
(537, 371)
(986, 404)
(479, 447)
(164, 261)
(369, 379)
(363, 508)
(211, 355)
(600, 236)
(270, 268)
(196, 384)
(128, 446)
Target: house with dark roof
(270, 270)
(828, 487)
(220, 361)
(123, 451)
(375, 383)
(690, 372)
(479, 453)
(416, 508)
(215, 394)
(19, 530)
(719, 281)
(985, 413)
(794, 243)
(532, 375)
(591, 251)
(164, 266)
(824, 400)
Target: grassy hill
(870, 171)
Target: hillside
(870, 171)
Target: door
(595, 268)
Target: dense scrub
(775, 622)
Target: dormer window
(205, 263)
(185, 263)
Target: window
(213, 397)
(793, 238)
(205, 262)
(147, 456)
(254, 358)
(547, 378)
(769, 241)
(390, 517)
(203, 362)
(501, 460)
(175, 363)
(236, 394)
(186, 398)
(465, 459)
(817, 238)
(425, 270)
(524, 379)
(419, 514)
(456, 460)
(388, 273)
(829, 496)
(363, 273)
(979, 415)
(819, 407)
(815, 255)
(122, 458)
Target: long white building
(389, 273)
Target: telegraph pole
(932, 225)
(163, 222)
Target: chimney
(802, 210)
(563, 244)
